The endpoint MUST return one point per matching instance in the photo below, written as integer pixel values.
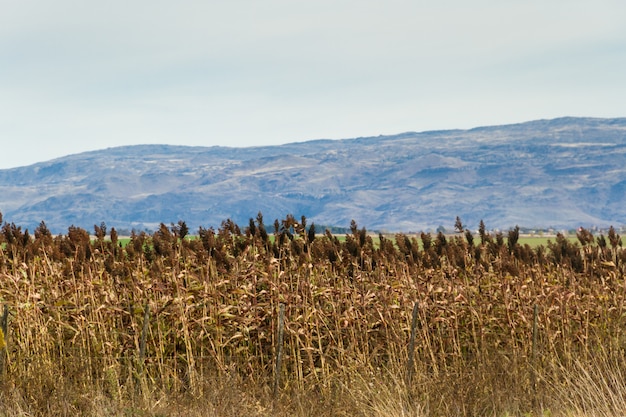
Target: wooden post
(410, 367)
(279, 348)
(533, 375)
(4, 328)
(140, 378)
(144, 333)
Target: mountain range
(559, 173)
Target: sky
(80, 75)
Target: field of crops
(166, 325)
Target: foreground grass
(595, 390)
(164, 326)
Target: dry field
(170, 326)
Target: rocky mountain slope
(550, 173)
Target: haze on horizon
(78, 76)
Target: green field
(532, 241)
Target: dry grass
(594, 387)
(78, 341)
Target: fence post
(142, 348)
(4, 336)
(533, 375)
(144, 333)
(410, 366)
(279, 348)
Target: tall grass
(207, 311)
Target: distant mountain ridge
(559, 173)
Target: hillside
(549, 173)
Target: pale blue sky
(84, 75)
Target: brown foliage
(77, 309)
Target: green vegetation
(167, 325)
(535, 241)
